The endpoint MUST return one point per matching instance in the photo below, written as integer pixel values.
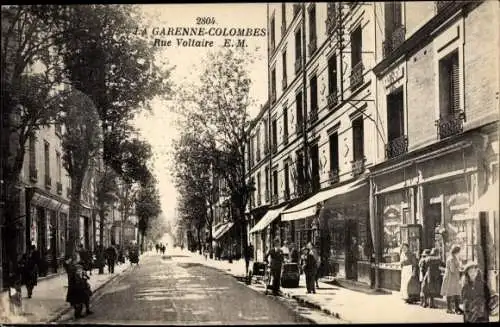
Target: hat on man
(469, 265)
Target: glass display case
(411, 234)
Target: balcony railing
(283, 30)
(274, 199)
(440, 5)
(298, 65)
(358, 166)
(34, 174)
(396, 147)
(48, 181)
(356, 76)
(312, 46)
(313, 116)
(333, 176)
(394, 40)
(299, 128)
(332, 99)
(284, 83)
(450, 126)
(59, 187)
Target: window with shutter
(454, 85)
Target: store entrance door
(431, 221)
(351, 243)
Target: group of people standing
(160, 248)
(309, 263)
(421, 281)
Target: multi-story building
(345, 169)
(437, 97)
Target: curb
(312, 305)
(60, 313)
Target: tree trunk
(101, 234)
(74, 215)
(210, 236)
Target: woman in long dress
(410, 290)
(451, 282)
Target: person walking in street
(29, 270)
(432, 278)
(79, 292)
(157, 247)
(309, 268)
(475, 294)
(100, 259)
(451, 282)
(111, 255)
(248, 256)
(410, 288)
(317, 258)
(276, 261)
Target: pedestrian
(317, 258)
(294, 254)
(451, 282)
(134, 255)
(410, 288)
(309, 268)
(475, 294)
(86, 258)
(111, 255)
(163, 249)
(422, 268)
(432, 278)
(248, 256)
(100, 259)
(29, 270)
(79, 292)
(276, 261)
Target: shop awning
(222, 230)
(307, 208)
(486, 202)
(268, 218)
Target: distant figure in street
(248, 256)
(111, 255)
(276, 261)
(86, 258)
(163, 249)
(28, 267)
(309, 268)
(157, 247)
(134, 255)
(100, 259)
(317, 259)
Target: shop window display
(393, 206)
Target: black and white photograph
(250, 163)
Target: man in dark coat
(79, 292)
(100, 259)
(86, 258)
(309, 267)
(29, 270)
(432, 277)
(248, 256)
(276, 256)
(111, 255)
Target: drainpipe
(304, 95)
(374, 231)
(340, 35)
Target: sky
(158, 127)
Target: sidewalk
(49, 297)
(348, 305)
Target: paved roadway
(173, 290)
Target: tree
(28, 98)
(147, 206)
(81, 144)
(218, 107)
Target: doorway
(351, 249)
(431, 221)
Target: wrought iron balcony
(358, 166)
(59, 187)
(356, 78)
(33, 174)
(284, 83)
(298, 64)
(332, 99)
(440, 5)
(312, 46)
(48, 181)
(396, 147)
(333, 176)
(299, 128)
(450, 126)
(313, 116)
(396, 38)
(296, 9)
(283, 30)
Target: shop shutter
(454, 85)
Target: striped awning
(268, 218)
(222, 230)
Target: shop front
(226, 237)
(264, 230)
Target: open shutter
(454, 86)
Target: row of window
(33, 171)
